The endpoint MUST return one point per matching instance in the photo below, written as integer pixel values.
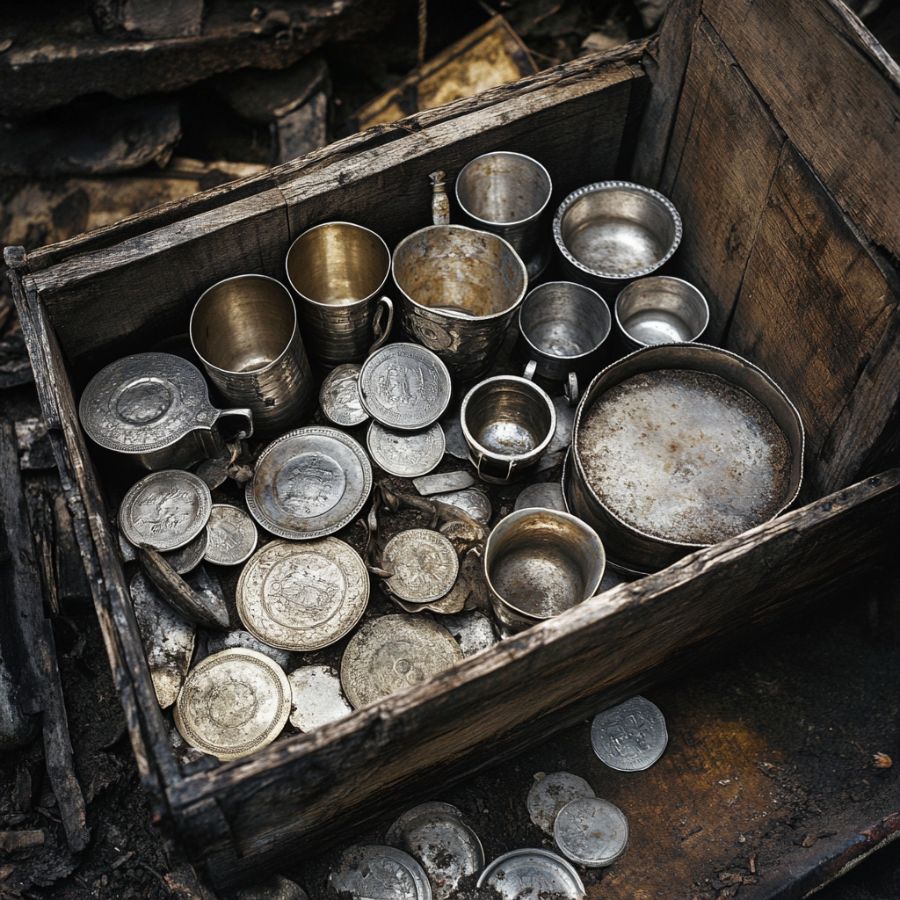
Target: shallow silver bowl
(660, 310)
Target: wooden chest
(772, 125)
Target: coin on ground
(405, 386)
(550, 793)
(394, 652)
(591, 832)
(545, 494)
(473, 501)
(405, 454)
(233, 703)
(317, 697)
(379, 873)
(630, 737)
(165, 510)
(422, 563)
(339, 396)
(532, 873)
(231, 534)
(302, 596)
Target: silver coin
(591, 832)
(394, 652)
(454, 437)
(309, 483)
(317, 697)
(231, 534)
(473, 501)
(165, 510)
(225, 640)
(422, 563)
(427, 485)
(233, 703)
(302, 596)
(550, 793)
(373, 872)
(545, 494)
(339, 396)
(394, 834)
(405, 386)
(532, 873)
(405, 454)
(630, 737)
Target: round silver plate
(372, 872)
(550, 793)
(165, 510)
(309, 483)
(473, 501)
(591, 832)
(231, 534)
(423, 564)
(532, 873)
(405, 454)
(339, 396)
(405, 386)
(302, 596)
(630, 737)
(317, 697)
(546, 495)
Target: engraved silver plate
(405, 454)
(339, 396)
(302, 596)
(405, 386)
(165, 510)
(372, 872)
(231, 535)
(317, 697)
(422, 563)
(473, 501)
(309, 483)
(233, 703)
(394, 652)
(591, 832)
(550, 793)
(545, 494)
(630, 737)
(532, 873)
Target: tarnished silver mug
(244, 329)
(338, 271)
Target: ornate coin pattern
(591, 832)
(339, 396)
(405, 454)
(423, 563)
(384, 873)
(630, 737)
(231, 535)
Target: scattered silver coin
(317, 697)
(393, 652)
(405, 386)
(532, 873)
(231, 535)
(454, 438)
(545, 494)
(427, 485)
(591, 832)
(423, 565)
(550, 793)
(394, 834)
(302, 596)
(373, 872)
(473, 501)
(630, 737)
(165, 510)
(473, 631)
(237, 637)
(339, 396)
(405, 454)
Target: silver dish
(339, 396)
(532, 873)
(373, 872)
(406, 454)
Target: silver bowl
(660, 310)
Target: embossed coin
(165, 510)
(422, 563)
(310, 482)
(545, 494)
(550, 793)
(404, 386)
(339, 396)
(231, 535)
(373, 872)
(591, 832)
(302, 596)
(630, 737)
(317, 697)
(394, 652)
(532, 873)
(473, 501)
(405, 454)
(233, 703)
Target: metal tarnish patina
(302, 596)
(406, 454)
(546, 495)
(591, 832)
(379, 873)
(427, 485)
(225, 640)
(232, 535)
(183, 560)
(392, 653)
(473, 501)
(309, 483)
(423, 563)
(233, 703)
(317, 697)
(472, 630)
(165, 510)
(339, 396)
(532, 873)
(630, 737)
(550, 793)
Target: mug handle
(530, 370)
(571, 389)
(382, 329)
(506, 477)
(245, 414)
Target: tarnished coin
(237, 637)
(591, 832)
(423, 564)
(532, 873)
(405, 386)
(373, 872)
(394, 652)
(233, 703)
(473, 631)
(394, 834)
(630, 737)
(405, 454)
(165, 510)
(473, 501)
(545, 494)
(550, 793)
(231, 535)
(302, 596)
(339, 396)
(317, 697)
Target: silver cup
(507, 193)
(660, 310)
(338, 271)
(244, 329)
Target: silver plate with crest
(630, 737)
(423, 565)
(231, 535)
(339, 396)
(591, 832)
(373, 872)
(406, 454)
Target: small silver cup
(244, 329)
(338, 271)
(660, 310)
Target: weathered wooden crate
(772, 126)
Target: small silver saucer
(339, 396)
(532, 873)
